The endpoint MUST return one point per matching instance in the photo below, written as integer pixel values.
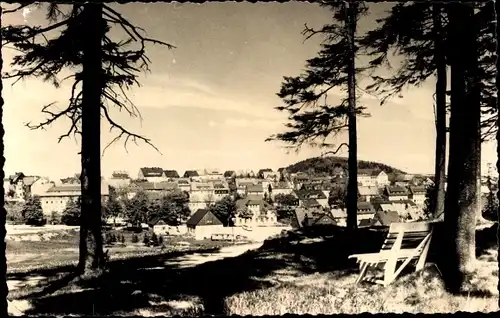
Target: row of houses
(380, 212)
(157, 174)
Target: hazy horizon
(210, 102)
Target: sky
(209, 103)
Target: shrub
(145, 240)
(135, 238)
(160, 240)
(71, 214)
(154, 240)
(32, 212)
(107, 239)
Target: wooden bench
(405, 242)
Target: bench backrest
(413, 234)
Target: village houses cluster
(381, 201)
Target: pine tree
(313, 115)
(418, 32)
(461, 194)
(497, 86)
(4, 289)
(105, 65)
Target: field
(31, 247)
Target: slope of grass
(296, 289)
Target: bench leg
(389, 270)
(363, 268)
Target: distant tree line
(325, 165)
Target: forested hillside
(323, 166)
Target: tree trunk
(441, 83)
(461, 195)
(497, 10)
(352, 186)
(91, 251)
(4, 291)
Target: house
(211, 176)
(202, 224)
(17, 187)
(242, 183)
(318, 195)
(261, 212)
(365, 210)
(367, 193)
(340, 216)
(385, 218)
(41, 185)
(119, 179)
(299, 179)
(55, 199)
(319, 220)
(171, 174)
(401, 184)
(71, 180)
(183, 184)
(201, 195)
(159, 227)
(221, 190)
(160, 188)
(366, 178)
(151, 174)
(406, 209)
(373, 178)
(395, 193)
(255, 189)
(192, 175)
(417, 194)
(261, 173)
(301, 217)
(282, 188)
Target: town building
(55, 199)
(395, 193)
(203, 224)
(119, 179)
(151, 174)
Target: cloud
(212, 123)
(247, 123)
(163, 91)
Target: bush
(135, 238)
(32, 212)
(160, 240)
(107, 239)
(145, 240)
(154, 240)
(71, 214)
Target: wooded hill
(324, 166)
